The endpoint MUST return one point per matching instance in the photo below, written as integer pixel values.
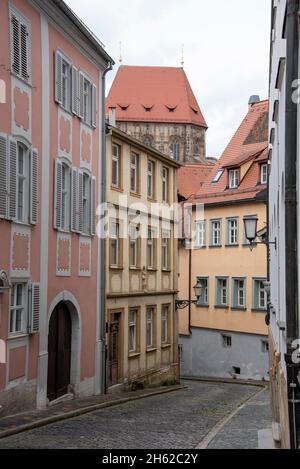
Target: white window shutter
(75, 91)
(34, 310)
(58, 195)
(3, 176)
(24, 39)
(34, 187)
(81, 95)
(80, 195)
(74, 202)
(15, 45)
(58, 77)
(93, 206)
(94, 106)
(12, 179)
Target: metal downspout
(102, 271)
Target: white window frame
(87, 100)
(200, 234)
(150, 179)
(66, 83)
(234, 178)
(233, 231)
(115, 238)
(133, 247)
(25, 22)
(23, 179)
(165, 313)
(150, 312)
(151, 249)
(216, 232)
(116, 160)
(132, 329)
(65, 197)
(165, 249)
(222, 293)
(165, 184)
(264, 174)
(239, 293)
(134, 173)
(203, 300)
(23, 307)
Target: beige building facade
(141, 260)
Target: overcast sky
(226, 49)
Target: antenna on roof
(182, 56)
(121, 58)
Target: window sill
(197, 248)
(68, 111)
(116, 189)
(135, 194)
(221, 307)
(232, 245)
(149, 269)
(166, 346)
(238, 308)
(115, 267)
(27, 82)
(166, 271)
(135, 269)
(134, 355)
(215, 246)
(88, 124)
(151, 350)
(259, 310)
(202, 306)
(17, 335)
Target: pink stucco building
(52, 73)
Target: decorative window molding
(63, 255)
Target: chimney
(112, 116)
(253, 100)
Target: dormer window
(171, 107)
(233, 178)
(148, 107)
(264, 174)
(123, 107)
(195, 111)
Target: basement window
(236, 370)
(227, 341)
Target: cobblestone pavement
(170, 421)
(251, 418)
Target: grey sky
(226, 49)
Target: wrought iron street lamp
(251, 233)
(198, 289)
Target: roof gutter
(291, 247)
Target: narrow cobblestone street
(176, 420)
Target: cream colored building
(141, 259)
(225, 335)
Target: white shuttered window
(20, 45)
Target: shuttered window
(18, 308)
(20, 44)
(34, 187)
(74, 202)
(34, 308)
(3, 176)
(75, 91)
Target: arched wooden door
(59, 352)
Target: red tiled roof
(249, 143)
(166, 90)
(191, 177)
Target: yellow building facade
(142, 264)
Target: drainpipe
(190, 288)
(291, 247)
(102, 264)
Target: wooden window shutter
(3, 176)
(34, 309)
(12, 179)
(24, 40)
(80, 194)
(74, 202)
(58, 77)
(15, 45)
(81, 95)
(58, 195)
(34, 187)
(94, 106)
(75, 91)
(93, 206)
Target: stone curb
(258, 384)
(85, 410)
